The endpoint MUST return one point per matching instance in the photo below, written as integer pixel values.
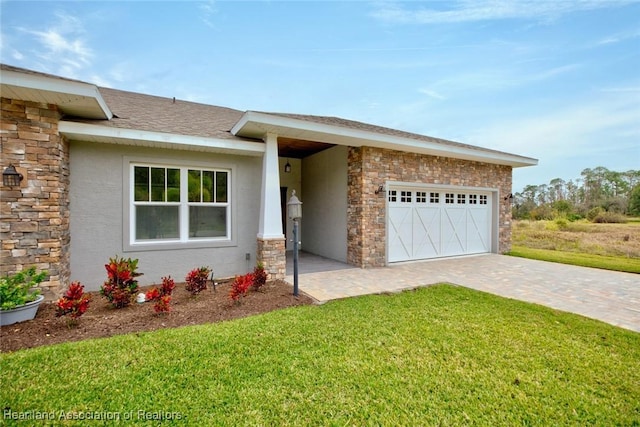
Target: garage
(432, 223)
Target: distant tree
(558, 192)
(610, 191)
(634, 201)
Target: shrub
(74, 302)
(197, 280)
(541, 212)
(609, 218)
(162, 295)
(20, 288)
(259, 277)
(162, 304)
(240, 286)
(594, 212)
(121, 285)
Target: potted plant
(20, 296)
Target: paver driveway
(610, 296)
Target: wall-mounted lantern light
(294, 209)
(11, 177)
(287, 167)
(509, 197)
(380, 189)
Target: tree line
(597, 190)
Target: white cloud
(483, 10)
(583, 129)
(208, 10)
(62, 45)
(618, 37)
(432, 94)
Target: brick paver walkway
(610, 296)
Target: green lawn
(630, 265)
(442, 355)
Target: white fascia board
(131, 136)
(73, 89)
(256, 123)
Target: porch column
(271, 242)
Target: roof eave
(72, 97)
(76, 131)
(257, 125)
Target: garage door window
(449, 198)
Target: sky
(555, 80)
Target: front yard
(442, 355)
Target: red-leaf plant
(121, 285)
(197, 280)
(74, 302)
(162, 295)
(259, 277)
(240, 286)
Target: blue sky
(555, 80)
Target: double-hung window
(179, 204)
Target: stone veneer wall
(271, 253)
(370, 167)
(35, 217)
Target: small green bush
(609, 218)
(562, 224)
(20, 288)
(594, 212)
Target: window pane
(173, 185)
(207, 221)
(141, 183)
(207, 186)
(157, 184)
(194, 185)
(221, 187)
(157, 222)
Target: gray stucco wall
(324, 209)
(97, 174)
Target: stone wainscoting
(35, 216)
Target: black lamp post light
(294, 208)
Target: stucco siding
(324, 209)
(98, 215)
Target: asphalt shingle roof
(158, 114)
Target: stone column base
(271, 253)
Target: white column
(270, 209)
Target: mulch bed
(101, 320)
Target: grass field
(609, 246)
(442, 355)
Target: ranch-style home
(180, 185)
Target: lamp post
(294, 208)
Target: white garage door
(432, 223)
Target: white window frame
(184, 241)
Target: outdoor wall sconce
(509, 197)
(380, 189)
(287, 167)
(11, 177)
